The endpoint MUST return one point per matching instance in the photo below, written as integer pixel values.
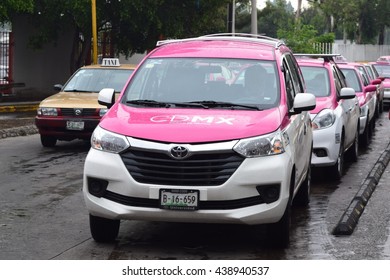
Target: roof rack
(229, 37)
(325, 56)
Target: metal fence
(354, 52)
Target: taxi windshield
(383, 70)
(316, 80)
(93, 80)
(223, 80)
(352, 79)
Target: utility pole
(231, 17)
(254, 17)
(94, 33)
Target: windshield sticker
(192, 119)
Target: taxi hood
(178, 125)
(72, 100)
(324, 103)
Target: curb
(19, 108)
(18, 131)
(350, 218)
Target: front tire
(337, 170)
(102, 229)
(354, 150)
(365, 137)
(48, 141)
(280, 232)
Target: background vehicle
(383, 69)
(366, 94)
(336, 116)
(74, 112)
(180, 147)
(371, 77)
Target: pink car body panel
(190, 125)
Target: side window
(290, 91)
(296, 74)
(339, 79)
(337, 82)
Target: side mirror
(107, 97)
(58, 87)
(304, 102)
(347, 93)
(370, 88)
(376, 82)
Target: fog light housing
(320, 152)
(269, 193)
(97, 187)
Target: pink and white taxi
(179, 146)
(366, 94)
(336, 116)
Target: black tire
(381, 107)
(279, 232)
(102, 229)
(353, 153)
(302, 197)
(365, 137)
(48, 141)
(337, 170)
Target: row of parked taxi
(222, 128)
(350, 96)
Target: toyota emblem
(179, 152)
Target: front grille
(203, 205)
(201, 169)
(84, 112)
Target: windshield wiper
(213, 104)
(77, 90)
(147, 102)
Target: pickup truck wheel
(48, 141)
(102, 229)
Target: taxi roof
(220, 46)
(110, 63)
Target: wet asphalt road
(42, 214)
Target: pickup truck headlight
(324, 119)
(106, 141)
(45, 111)
(271, 144)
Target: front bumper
(126, 198)
(326, 146)
(57, 127)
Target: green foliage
(9, 7)
(299, 38)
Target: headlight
(266, 145)
(102, 112)
(363, 110)
(44, 111)
(104, 140)
(324, 119)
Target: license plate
(179, 199)
(74, 125)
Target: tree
(9, 7)
(134, 26)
